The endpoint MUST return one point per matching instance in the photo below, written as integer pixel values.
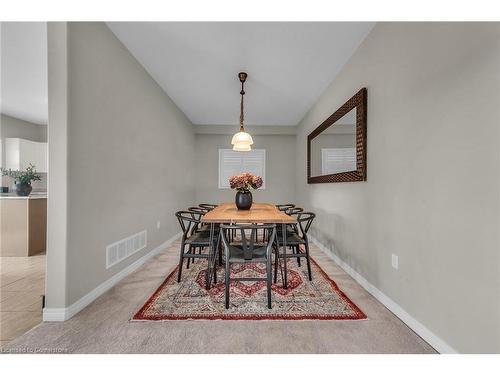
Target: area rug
(319, 299)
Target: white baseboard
(435, 341)
(62, 314)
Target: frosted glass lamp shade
(242, 148)
(241, 141)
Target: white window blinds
(235, 162)
(337, 160)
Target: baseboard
(62, 314)
(54, 314)
(435, 341)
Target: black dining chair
(284, 207)
(290, 228)
(199, 209)
(295, 240)
(248, 250)
(207, 206)
(293, 210)
(192, 238)
(199, 212)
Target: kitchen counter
(23, 225)
(31, 196)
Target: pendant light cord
(242, 115)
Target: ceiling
(24, 71)
(289, 65)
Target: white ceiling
(23, 85)
(289, 65)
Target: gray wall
(280, 168)
(127, 165)
(11, 127)
(432, 194)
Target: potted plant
(23, 179)
(242, 183)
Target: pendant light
(242, 140)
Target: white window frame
(324, 158)
(223, 183)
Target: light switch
(395, 261)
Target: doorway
(23, 157)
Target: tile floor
(22, 284)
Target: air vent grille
(122, 249)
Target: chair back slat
(248, 244)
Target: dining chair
(199, 209)
(192, 238)
(291, 228)
(295, 240)
(293, 210)
(248, 251)
(208, 206)
(284, 207)
(199, 212)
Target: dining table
(228, 213)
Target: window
(235, 162)
(337, 160)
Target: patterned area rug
(319, 299)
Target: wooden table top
(258, 213)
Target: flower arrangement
(23, 177)
(245, 181)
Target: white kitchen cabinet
(19, 153)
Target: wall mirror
(336, 149)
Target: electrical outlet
(395, 261)
(158, 224)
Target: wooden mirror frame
(358, 101)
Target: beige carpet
(104, 326)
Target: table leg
(283, 230)
(211, 258)
(218, 256)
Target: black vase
(243, 200)
(23, 190)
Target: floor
(104, 326)
(22, 284)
